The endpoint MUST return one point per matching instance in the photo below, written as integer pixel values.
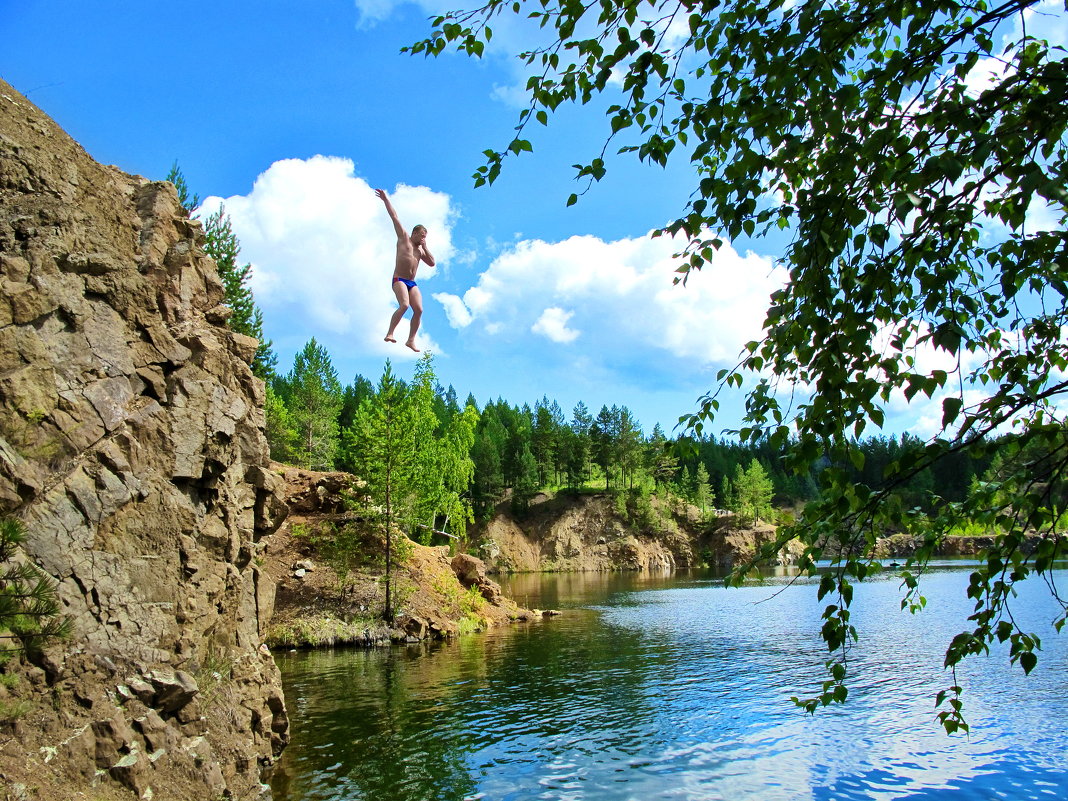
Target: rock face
(584, 533)
(132, 448)
(588, 533)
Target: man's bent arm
(424, 254)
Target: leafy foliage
(904, 152)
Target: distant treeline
(517, 451)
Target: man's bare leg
(416, 300)
(401, 291)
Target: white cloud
(371, 12)
(455, 310)
(1047, 20)
(620, 296)
(553, 325)
(322, 247)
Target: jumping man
(411, 249)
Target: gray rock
(173, 689)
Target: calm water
(676, 688)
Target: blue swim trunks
(405, 281)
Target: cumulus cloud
(553, 325)
(619, 296)
(371, 12)
(322, 247)
(455, 310)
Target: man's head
(419, 234)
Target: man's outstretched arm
(401, 233)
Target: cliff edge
(132, 449)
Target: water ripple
(675, 691)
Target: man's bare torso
(407, 259)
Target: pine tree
(382, 447)
(580, 463)
(526, 481)
(221, 244)
(702, 490)
(603, 436)
(442, 468)
(279, 430)
(314, 398)
(753, 492)
(29, 609)
(488, 480)
(545, 440)
(628, 446)
(175, 176)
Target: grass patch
(323, 630)
(10, 711)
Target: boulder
(471, 572)
(173, 689)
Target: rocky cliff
(590, 532)
(132, 448)
(584, 532)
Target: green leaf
(950, 410)
(1028, 660)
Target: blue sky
(291, 114)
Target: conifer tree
(279, 429)
(442, 467)
(544, 440)
(221, 244)
(753, 492)
(488, 481)
(314, 398)
(175, 176)
(30, 613)
(603, 438)
(526, 480)
(702, 490)
(382, 447)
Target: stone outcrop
(471, 572)
(586, 533)
(132, 448)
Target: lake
(673, 687)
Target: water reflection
(670, 687)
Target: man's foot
(389, 338)
(411, 345)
